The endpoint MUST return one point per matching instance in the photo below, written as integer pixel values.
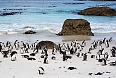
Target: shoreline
(34, 37)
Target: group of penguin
(101, 55)
(9, 49)
(66, 50)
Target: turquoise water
(46, 17)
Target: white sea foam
(107, 27)
(42, 29)
(52, 28)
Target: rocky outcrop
(94, 0)
(102, 0)
(9, 13)
(74, 3)
(29, 32)
(49, 44)
(98, 11)
(76, 27)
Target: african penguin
(13, 57)
(41, 70)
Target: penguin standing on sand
(72, 50)
(0, 47)
(85, 57)
(10, 47)
(100, 47)
(103, 62)
(94, 45)
(54, 50)
(45, 50)
(3, 46)
(104, 40)
(90, 49)
(110, 39)
(13, 55)
(23, 45)
(113, 51)
(8, 43)
(26, 48)
(32, 46)
(36, 42)
(79, 47)
(15, 43)
(46, 55)
(106, 56)
(17, 46)
(101, 51)
(63, 46)
(64, 55)
(37, 47)
(106, 43)
(83, 43)
(41, 70)
(21, 50)
(45, 60)
(99, 42)
(68, 47)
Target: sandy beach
(23, 68)
(21, 56)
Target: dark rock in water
(76, 27)
(29, 32)
(100, 0)
(7, 9)
(52, 6)
(98, 11)
(74, 3)
(9, 13)
(71, 68)
(48, 44)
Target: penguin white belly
(41, 70)
(13, 58)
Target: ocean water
(46, 17)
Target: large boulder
(76, 27)
(101, 0)
(98, 11)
